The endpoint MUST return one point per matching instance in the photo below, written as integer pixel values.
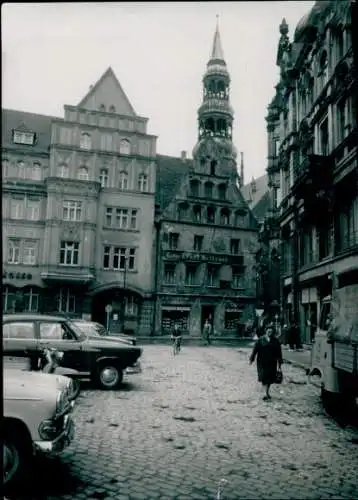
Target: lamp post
(124, 291)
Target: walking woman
(268, 353)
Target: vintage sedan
(37, 416)
(102, 360)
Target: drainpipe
(157, 226)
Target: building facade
(205, 233)
(312, 164)
(78, 210)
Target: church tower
(214, 153)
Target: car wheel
(109, 376)
(76, 388)
(15, 459)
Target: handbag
(279, 377)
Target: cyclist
(176, 337)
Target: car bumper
(62, 441)
(136, 368)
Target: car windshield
(91, 328)
(79, 333)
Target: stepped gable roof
(30, 122)
(170, 173)
(262, 207)
(255, 190)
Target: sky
(52, 53)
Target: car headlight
(49, 429)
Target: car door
(55, 334)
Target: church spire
(217, 53)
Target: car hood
(112, 338)
(106, 343)
(31, 385)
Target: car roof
(32, 317)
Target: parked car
(93, 329)
(37, 415)
(103, 360)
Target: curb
(296, 363)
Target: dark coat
(268, 354)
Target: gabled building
(313, 159)
(78, 210)
(206, 234)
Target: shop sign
(175, 308)
(16, 276)
(204, 257)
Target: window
(72, 210)
(131, 258)
(53, 331)
(31, 299)
(27, 138)
(169, 274)
(5, 164)
(323, 73)
(133, 224)
(213, 164)
(210, 215)
(183, 211)
(19, 330)
(122, 218)
(131, 306)
(190, 276)
(33, 209)
(108, 216)
(197, 213)
(239, 219)
(17, 208)
(85, 141)
(194, 188)
(35, 172)
(323, 136)
(21, 169)
(124, 147)
(104, 178)
(173, 241)
(106, 257)
(198, 242)
(339, 44)
(222, 192)
(13, 251)
(82, 174)
(107, 142)
(102, 107)
(276, 147)
(63, 171)
(123, 180)
(112, 109)
(208, 190)
(8, 298)
(65, 135)
(143, 183)
(69, 253)
(212, 275)
(237, 278)
(65, 301)
(224, 217)
(29, 252)
(119, 258)
(235, 246)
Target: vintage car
(37, 416)
(103, 360)
(93, 329)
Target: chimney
(183, 155)
(242, 168)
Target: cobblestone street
(189, 422)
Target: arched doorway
(117, 309)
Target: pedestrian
(207, 332)
(294, 336)
(176, 335)
(268, 354)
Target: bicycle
(176, 345)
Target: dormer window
(27, 138)
(112, 109)
(85, 142)
(102, 107)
